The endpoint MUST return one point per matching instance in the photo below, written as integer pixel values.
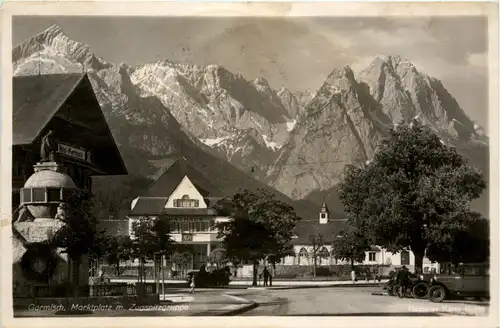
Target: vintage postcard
(275, 164)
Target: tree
(78, 237)
(414, 184)
(247, 240)
(218, 257)
(463, 240)
(151, 236)
(317, 242)
(118, 249)
(351, 247)
(261, 227)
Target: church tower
(324, 214)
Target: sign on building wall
(74, 152)
(187, 237)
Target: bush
(323, 272)
(337, 270)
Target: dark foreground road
(351, 301)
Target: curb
(240, 310)
(313, 286)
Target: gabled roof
(305, 228)
(165, 185)
(36, 99)
(38, 102)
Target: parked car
(216, 278)
(468, 280)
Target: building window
(191, 227)
(38, 195)
(371, 256)
(302, 254)
(405, 258)
(53, 194)
(323, 255)
(323, 215)
(186, 202)
(26, 195)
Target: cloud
(478, 59)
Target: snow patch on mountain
(290, 125)
(214, 141)
(271, 144)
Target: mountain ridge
(297, 142)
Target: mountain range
(248, 133)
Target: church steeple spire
(324, 214)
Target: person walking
(265, 273)
(353, 275)
(192, 284)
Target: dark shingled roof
(38, 102)
(165, 185)
(114, 227)
(148, 206)
(305, 228)
(156, 206)
(36, 98)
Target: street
(354, 301)
(322, 301)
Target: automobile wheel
(420, 290)
(437, 294)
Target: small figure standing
(265, 273)
(192, 285)
(353, 275)
(61, 212)
(47, 147)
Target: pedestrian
(192, 285)
(403, 280)
(353, 275)
(265, 273)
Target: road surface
(355, 301)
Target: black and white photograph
(251, 166)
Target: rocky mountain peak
(53, 42)
(262, 84)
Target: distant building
(186, 196)
(330, 226)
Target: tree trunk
(419, 261)
(76, 277)
(254, 281)
(315, 264)
(118, 268)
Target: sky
(297, 53)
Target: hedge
(340, 271)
